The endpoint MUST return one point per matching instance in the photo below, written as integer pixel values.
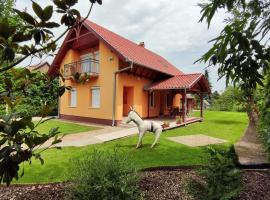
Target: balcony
(89, 66)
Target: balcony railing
(88, 66)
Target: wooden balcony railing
(88, 66)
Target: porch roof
(193, 82)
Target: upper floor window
(152, 99)
(86, 63)
(96, 57)
(73, 97)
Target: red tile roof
(179, 82)
(132, 51)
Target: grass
(224, 125)
(64, 127)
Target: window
(152, 99)
(73, 97)
(86, 63)
(95, 94)
(96, 57)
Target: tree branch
(46, 47)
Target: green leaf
(60, 4)
(37, 37)
(6, 30)
(37, 9)
(26, 17)
(47, 13)
(51, 25)
(21, 37)
(9, 54)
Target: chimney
(142, 44)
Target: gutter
(114, 88)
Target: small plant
(220, 179)
(165, 124)
(104, 175)
(178, 120)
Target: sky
(169, 28)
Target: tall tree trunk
(253, 117)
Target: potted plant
(165, 124)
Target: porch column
(148, 103)
(201, 98)
(183, 94)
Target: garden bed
(156, 185)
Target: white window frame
(73, 102)
(152, 99)
(86, 67)
(96, 57)
(93, 104)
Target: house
(41, 67)
(120, 73)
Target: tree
(215, 95)
(241, 51)
(19, 139)
(206, 74)
(39, 93)
(230, 100)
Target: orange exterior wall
(109, 63)
(104, 81)
(140, 97)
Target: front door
(128, 95)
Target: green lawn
(224, 125)
(64, 127)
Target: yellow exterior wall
(104, 81)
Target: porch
(172, 123)
(176, 99)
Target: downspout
(59, 101)
(114, 89)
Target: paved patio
(196, 140)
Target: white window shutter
(95, 97)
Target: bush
(103, 175)
(264, 105)
(220, 180)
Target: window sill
(72, 106)
(93, 107)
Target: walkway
(250, 151)
(105, 134)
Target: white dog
(144, 126)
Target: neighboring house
(122, 73)
(41, 67)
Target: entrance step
(124, 125)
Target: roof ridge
(159, 58)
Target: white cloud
(170, 28)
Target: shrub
(103, 175)
(263, 99)
(220, 179)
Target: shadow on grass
(226, 122)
